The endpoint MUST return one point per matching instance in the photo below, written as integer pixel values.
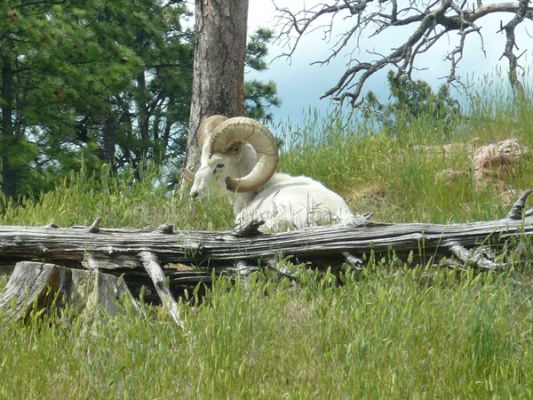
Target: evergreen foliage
(90, 82)
(257, 50)
(409, 101)
(98, 82)
(259, 97)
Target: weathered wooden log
(118, 250)
(189, 258)
(48, 288)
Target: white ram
(239, 158)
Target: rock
(496, 160)
(491, 164)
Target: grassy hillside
(388, 332)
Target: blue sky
(300, 84)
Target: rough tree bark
(218, 71)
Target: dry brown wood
(218, 68)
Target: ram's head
(238, 155)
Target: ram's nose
(195, 194)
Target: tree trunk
(175, 263)
(218, 71)
(144, 117)
(167, 263)
(39, 287)
(109, 128)
(9, 179)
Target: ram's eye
(217, 167)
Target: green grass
(390, 177)
(380, 335)
(386, 332)
(82, 197)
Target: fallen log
(148, 257)
(119, 249)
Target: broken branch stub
(151, 265)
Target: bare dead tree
(429, 20)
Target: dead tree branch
(429, 22)
(151, 265)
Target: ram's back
(294, 202)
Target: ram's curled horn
(242, 129)
(207, 127)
